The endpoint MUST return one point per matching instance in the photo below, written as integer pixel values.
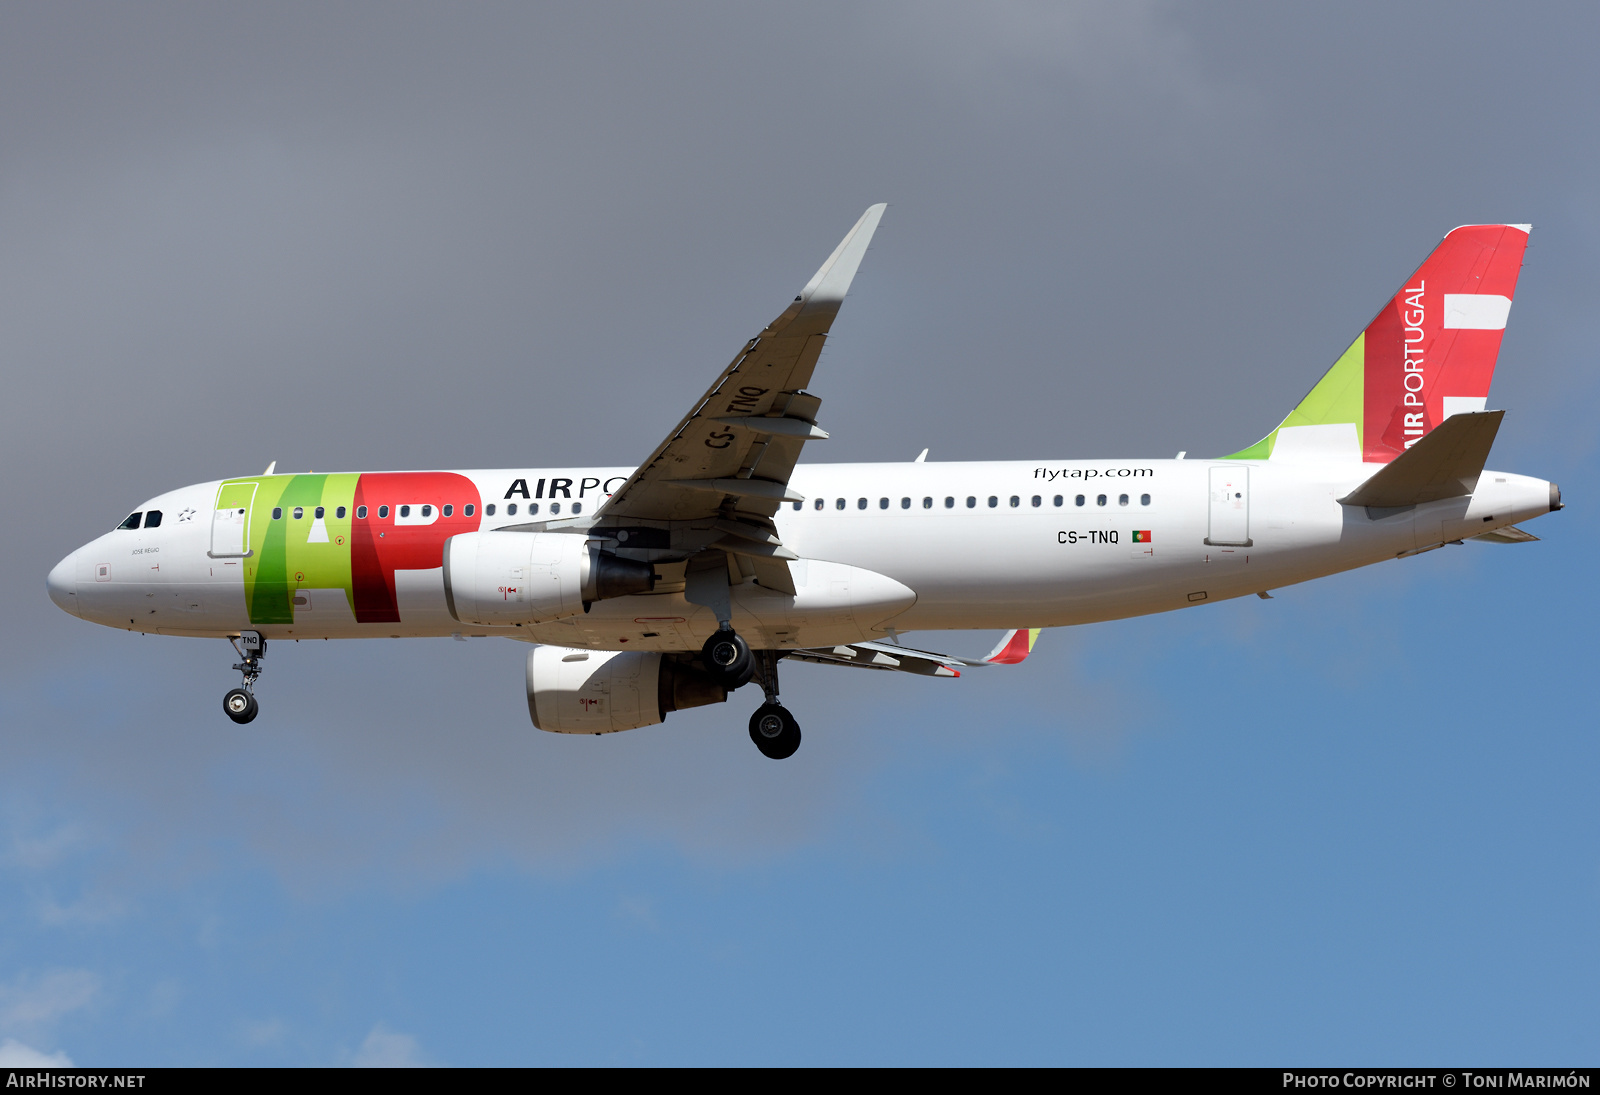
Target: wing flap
(1013, 647)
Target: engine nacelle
(502, 578)
(601, 691)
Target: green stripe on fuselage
(284, 557)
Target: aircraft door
(230, 523)
(1230, 507)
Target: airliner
(644, 590)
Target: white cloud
(92, 909)
(640, 911)
(38, 851)
(385, 1048)
(266, 1032)
(31, 1002)
(13, 1054)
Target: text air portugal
(1431, 352)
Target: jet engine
(501, 578)
(601, 691)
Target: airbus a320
(648, 589)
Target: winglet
(827, 286)
(1014, 647)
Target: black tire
(728, 660)
(240, 706)
(774, 731)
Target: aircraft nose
(63, 584)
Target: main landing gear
(240, 703)
(730, 662)
(772, 728)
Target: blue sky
(1348, 824)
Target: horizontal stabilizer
(1511, 534)
(1444, 464)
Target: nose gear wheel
(240, 703)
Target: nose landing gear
(772, 728)
(240, 703)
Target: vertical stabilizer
(1429, 354)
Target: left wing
(729, 461)
(1013, 647)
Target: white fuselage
(882, 547)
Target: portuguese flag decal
(1141, 536)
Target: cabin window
(511, 509)
(277, 513)
(383, 512)
(132, 520)
(152, 519)
(1015, 501)
(883, 503)
(1078, 501)
(577, 507)
(427, 511)
(1122, 499)
(467, 509)
(905, 503)
(339, 513)
(971, 502)
(1144, 499)
(447, 509)
(488, 511)
(949, 503)
(1058, 500)
(861, 503)
(838, 503)
(318, 513)
(818, 504)
(797, 506)
(1037, 501)
(533, 507)
(1099, 499)
(555, 507)
(361, 513)
(299, 512)
(927, 503)
(405, 511)
(993, 501)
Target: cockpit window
(152, 518)
(132, 521)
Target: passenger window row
(1014, 502)
(447, 510)
(299, 512)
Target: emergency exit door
(1230, 507)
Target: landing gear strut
(772, 728)
(240, 703)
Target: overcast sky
(1348, 824)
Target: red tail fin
(1431, 351)
(1429, 354)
